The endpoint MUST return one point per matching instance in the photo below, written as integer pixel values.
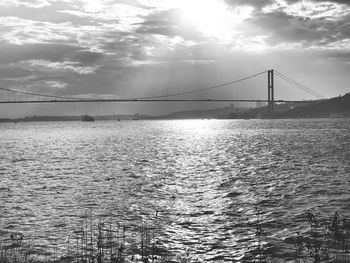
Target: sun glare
(92, 6)
(213, 18)
(207, 16)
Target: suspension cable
(200, 90)
(297, 84)
(280, 75)
(39, 95)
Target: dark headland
(337, 107)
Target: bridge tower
(271, 91)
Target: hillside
(335, 107)
(339, 106)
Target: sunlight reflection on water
(205, 177)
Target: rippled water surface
(203, 177)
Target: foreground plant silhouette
(99, 241)
(95, 241)
(328, 240)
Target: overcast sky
(135, 48)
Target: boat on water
(87, 118)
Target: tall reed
(101, 240)
(328, 239)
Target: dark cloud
(343, 56)
(163, 22)
(87, 57)
(11, 72)
(346, 2)
(10, 53)
(124, 47)
(16, 69)
(281, 27)
(262, 3)
(159, 24)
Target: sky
(140, 48)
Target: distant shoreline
(101, 118)
(338, 107)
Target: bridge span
(11, 96)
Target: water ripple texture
(204, 178)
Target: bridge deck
(151, 100)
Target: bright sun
(208, 16)
(212, 17)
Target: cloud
(130, 46)
(169, 23)
(49, 13)
(346, 2)
(309, 9)
(162, 22)
(86, 57)
(254, 3)
(10, 53)
(259, 4)
(338, 55)
(66, 66)
(316, 26)
(21, 31)
(28, 3)
(119, 16)
(275, 24)
(44, 85)
(31, 84)
(11, 72)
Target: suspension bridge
(266, 94)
